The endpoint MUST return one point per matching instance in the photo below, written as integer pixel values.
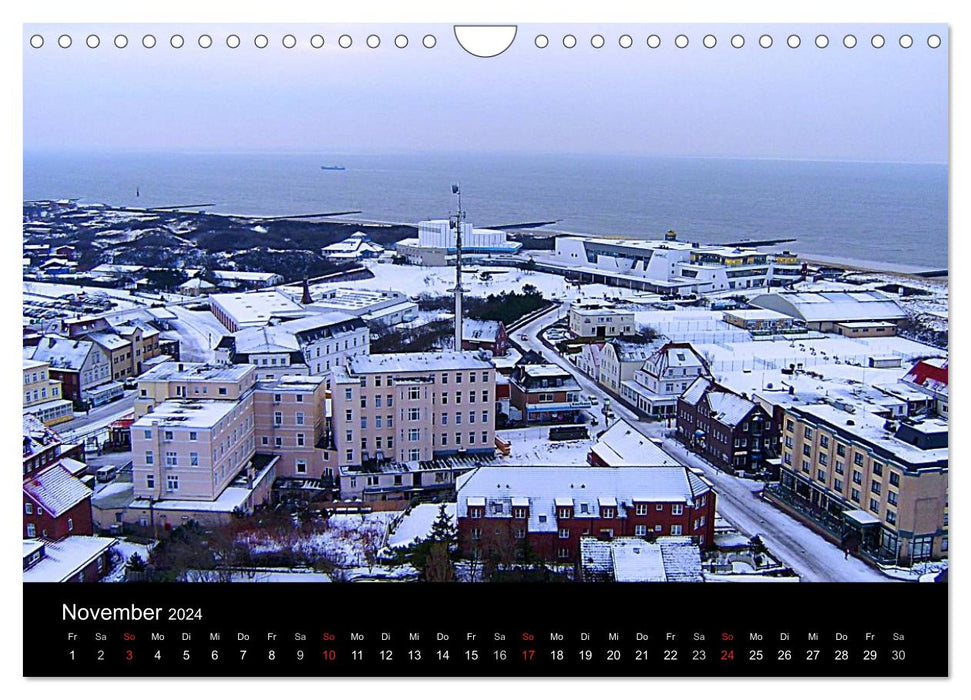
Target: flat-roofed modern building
(253, 309)
(598, 320)
(670, 266)
(870, 483)
(436, 243)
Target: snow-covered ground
(125, 549)
(416, 524)
(531, 446)
(346, 541)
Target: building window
(414, 434)
(519, 512)
(878, 468)
(193, 435)
(348, 415)
(193, 459)
(171, 459)
(564, 533)
(476, 533)
(172, 482)
(677, 509)
(520, 533)
(857, 477)
(300, 418)
(564, 512)
(414, 414)
(414, 393)
(875, 486)
(855, 495)
(31, 530)
(70, 524)
(640, 530)
(168, 435)
(414, 455)
(858, 459)
(675, 529)
(278, 442)
(874, 505)
(277, 418)
(300, 440)
(838, 485)
(563, 553)
(148, 434)
(894, 479)
(150, 481)
(892, 497)
(28, 509)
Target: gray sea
(881, 212)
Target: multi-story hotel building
(192, 450)
(192, 380)
(868, 482)
(42, 394)
(291, 424)
(503, 510)
(311, 345)
(412, 407)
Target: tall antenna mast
(456, 222)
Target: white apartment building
(413, 407)
(591, 319)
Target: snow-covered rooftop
(622, 445)
(549, 487)
(61, 352)
(416, 362)
(66, 558)
(56, 490)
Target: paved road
(102, 415)
(808, 554)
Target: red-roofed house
(930, 377)
(56, 504)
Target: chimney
(306, 299)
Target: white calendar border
(493, 11)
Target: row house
(727, 429)
(620, 361)
(589, 359)
(546, 393)
(663, 377)
(413, 407)
(872, 483)
(80, 365)
(42, 394)
(504, 511)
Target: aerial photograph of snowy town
(413, 315)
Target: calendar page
(612, 349)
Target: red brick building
(55, 502)
(727, 429)
(485, 335)
(504, 511)
(545, 393)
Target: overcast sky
(860, 104)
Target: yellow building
(871, 483)
(42, 395)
